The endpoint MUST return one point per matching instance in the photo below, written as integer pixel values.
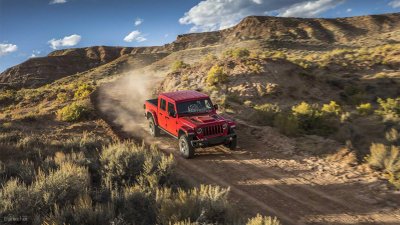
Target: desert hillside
(317, 107)
(264, 32)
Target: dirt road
(267, 174)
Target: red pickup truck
(190, 117)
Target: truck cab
(190, 117)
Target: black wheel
(185, 147)
(153, 128)
(232, 144)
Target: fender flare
(152, 114)
(188, 131)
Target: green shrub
(209, 58)
(266, 113)
(308, 115)
(83, 211)
(23, 170)
(63, 97)
(331, 109)
(393, 136)
(135, 203)
(178, 65)
(364, 109)
(286, 124)
(7, 95)
(238, 53)
(16, 199)
(255, 67)
(83, 91)
(216, 75)
(386, 159)
(263, 220)
(207, 204)
(124, 163)
(61, 186)
(73, 112)
(389, 107)
(378, 154)
(313, 121)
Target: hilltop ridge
(267, 31)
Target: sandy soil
(268, 173)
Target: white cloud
(134, 36)
(395, 3)
(7, 48)
(67, 41)
(57, 2)
(309, 8)
(211, 15)
(35, 53)
(349, 10)
(138, 21)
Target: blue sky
(33, 28)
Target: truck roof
(184, 95)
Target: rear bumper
(208, 142)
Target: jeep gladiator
(190, 117)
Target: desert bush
(331, 109)
(206, 204)
(266, 113)
(393, 136)
(254, 67)
(178, 65)
(312, 120)
(23, 170)
(238, 53)
(216, 75)
(308, 115)
(209, 58)
(364, 109)
(88, 141)
(135, 203)
(83, 211)
(7, 96)
(73, 112)
(184, 222)
(125, 163)
(389, 107)
(287, 124)
(16, 199)
(83, 91)
(387, 159)
(378, 154)
(61, 186)
(263, 220)
(63, 97)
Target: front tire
(232, 144)
(185, 147)
(153, 128)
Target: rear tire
(185, 147)
(153, 128)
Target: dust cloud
(122, 100)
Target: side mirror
(216, 107)
(171, 114)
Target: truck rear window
(197, 106)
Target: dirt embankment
(268, 174)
